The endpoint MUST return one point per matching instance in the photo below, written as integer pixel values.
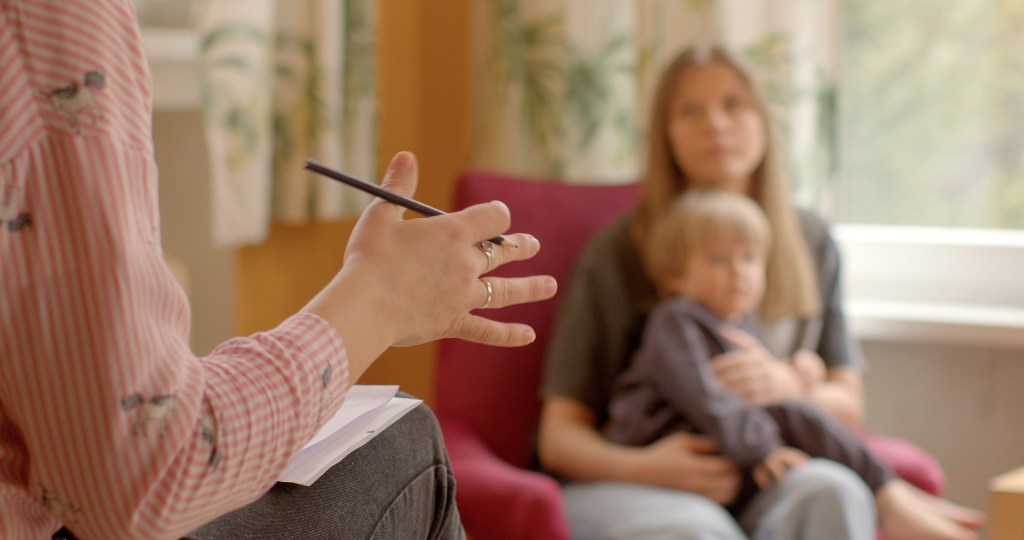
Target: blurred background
(902, 121)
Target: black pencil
(395, 198)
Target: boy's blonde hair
(699, 219)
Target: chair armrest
(497, 500)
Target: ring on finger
(490, 293)
(487, 248)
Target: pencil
(389, 196)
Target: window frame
(936, 285)
(933, 284)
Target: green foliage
(559, 84)
(240, 118)
(589, 85)
(295, 68)
(530, 54)
(772, 59)
(930, 108)
(360, 67)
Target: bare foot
(967, 517)
(907, 513)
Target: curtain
(562, 87)
(286, 80)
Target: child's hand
(777, 464)
(810, 367)
(752, 373)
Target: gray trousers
(820, 499)
(397, 486)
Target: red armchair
(486, 397)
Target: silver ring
(487, 248)
(490, 293)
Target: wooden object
(1006, 516)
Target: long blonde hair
(791, 281)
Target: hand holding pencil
(405, 282)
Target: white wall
(963, 404)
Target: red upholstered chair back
(494, 389)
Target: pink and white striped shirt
(109, 424)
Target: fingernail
(401, 162)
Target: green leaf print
(531, 54)
(589, 92)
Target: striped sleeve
(109, 425)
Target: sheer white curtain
(286, 80)
(561, 87)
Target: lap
(398, 485)
(821, 499)
(615, 510)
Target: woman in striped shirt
(109, 426)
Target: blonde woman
(709, 128)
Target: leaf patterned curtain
(562, 87)
(286, 80)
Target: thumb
(402, 174)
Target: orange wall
(423, 78)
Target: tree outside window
(931, 114)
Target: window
(931, 113)
(930, 187)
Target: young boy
(709, 257)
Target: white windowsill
(173, 56)
(947, 324)
(930, 285)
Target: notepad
(367, 411)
